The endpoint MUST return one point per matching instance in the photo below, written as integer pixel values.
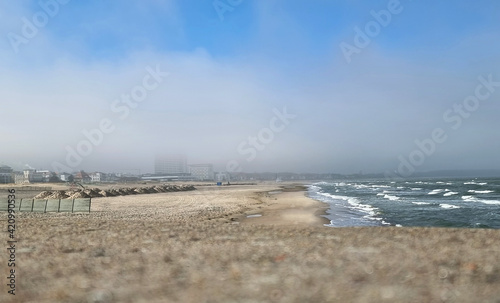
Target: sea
(425, 202)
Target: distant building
(36, 176)
(112, 177)
(171, 165)
(166, 178)
(97, 177)
(42, 175)
(65, 177)
(202, 172)
(82, 177)
(6, 174)
(221, 177)
(19, 178)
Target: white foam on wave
(421, 203)
(474, 183)
(474, 199)
(446, 183)
(314, 187)
(359, 186)
(380, 186)
(385, 192)
(324, 183)
(392, 198)
(449, 206)
(436, 191)
(451, 193)
(480, 191)
(355, 204)
(417, 188)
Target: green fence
(48, 205)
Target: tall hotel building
(174, 164)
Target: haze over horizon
(342, 87)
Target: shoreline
(288, 205)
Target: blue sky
(228, 75)
(108, 28)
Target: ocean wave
(449, 206)
(355, 204)
(370, 210)
(385, 192)
(474, 183)
(314, 187)
(335, 197)
(381, 186)
(417, 188)
(474, 199)
(421, 203)
(322, 183)
(359, 186)
(436, 191)
(480, 191)
(392, 198)
(451, 193)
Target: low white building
(19, 178)
(202, 172)
(65, 177)
(96, 177)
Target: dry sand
(208, 245)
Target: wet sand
(210, 245)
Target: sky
(256, 86)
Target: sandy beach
(247, 243)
